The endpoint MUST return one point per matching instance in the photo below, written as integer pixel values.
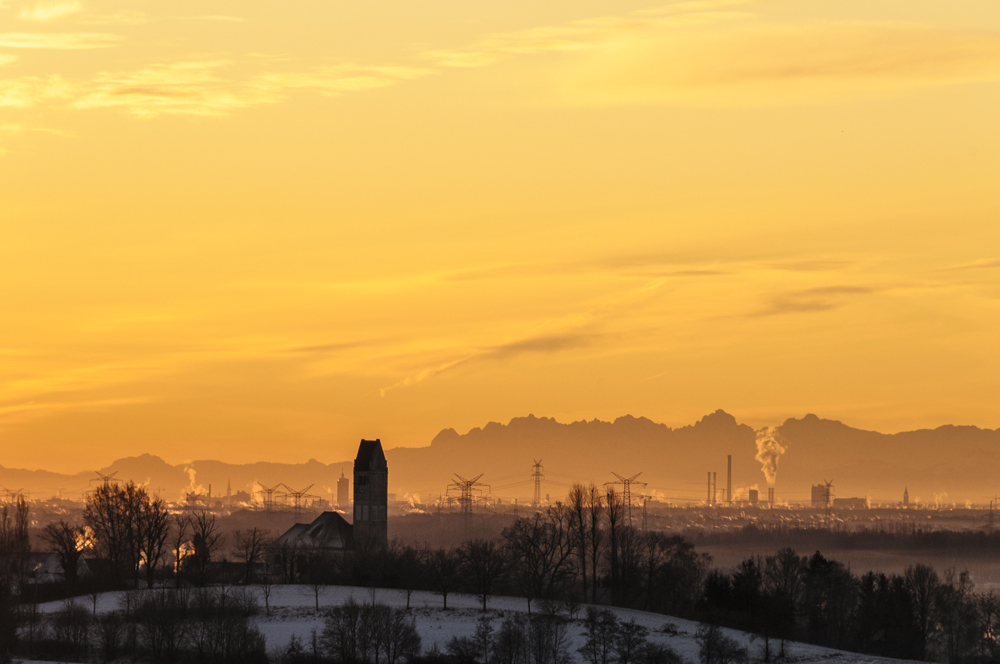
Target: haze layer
(266, 230)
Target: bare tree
(922, 584)
(615, 513)
(266, 584)
(577, 503)
(540, 551)
(249, 546)
(206, 539)
(595, 516)
(116, 513)
(14, 541)
(443, 572)
(485, 563)
(407, 569)
(181, 524)
(65, 540)
(153, 533)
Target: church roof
(327, 531)
(370, 456)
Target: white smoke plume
(770, 447)
(743, 492)
(939, 498)
(193, 487)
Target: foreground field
(293, 613)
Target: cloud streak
(50, 11)
(201, 87)
(65, 41)
(545, 344)
(824, 298)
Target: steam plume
(770, 447)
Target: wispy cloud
(588, 33)
(50, 11)
(30, 90)
(543, 344)
(67, 41)
(823, 298)
(766, 63)
(202, 87)
(326, 348)
(985, 264)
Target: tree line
(583, 550)
(917, 615)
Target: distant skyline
(268, 230)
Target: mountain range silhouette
(952, 460)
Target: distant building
(371, 493)
(820, 497)
(343, 491)
(906, 497)
(851, 503)
(752, 494)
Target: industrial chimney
(729, 479)
(770, 496)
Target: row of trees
(915, 615)
(163, 625)
(583, 550)
(14, 550)
(137, 540)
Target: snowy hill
(293, 612)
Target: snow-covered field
(293, 612)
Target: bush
(369, 633)
(714, 647)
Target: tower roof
(370, 456)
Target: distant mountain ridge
(952, 460)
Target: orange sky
(247, 230)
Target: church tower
(371, 493)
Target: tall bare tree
(206, 539)
(615, 514)
(153, 534)
(541, 554)
(577, 504)
(116, 513)
(65, 540)
(249, 545)
(442, 572)
(485, 563)
(181, 524)
(595, 517)
(14, 541)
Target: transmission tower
(105, 479)
(297, 496)
(269, 496)
(627, 483)
(537, 476)
(465, 488)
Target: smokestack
(709, 488)
(770, 496)
(729, 479)
(715, 490)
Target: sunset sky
(246, 230)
